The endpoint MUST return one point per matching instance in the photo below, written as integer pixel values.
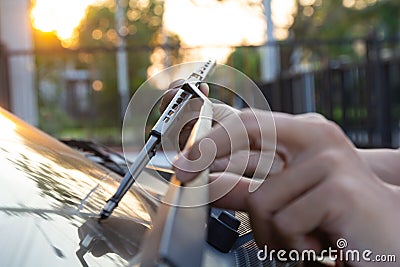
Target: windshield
(50, 197)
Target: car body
(51, 197)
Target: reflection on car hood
(50, 197)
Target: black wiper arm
(188, 90)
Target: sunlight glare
(59, 16)
(283, 12)
(8, 125)
(214, 25)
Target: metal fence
(362, 97)
(78, 96)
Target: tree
(142, 35)
(344, 20)
(50, 62)
(93, 50)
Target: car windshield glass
(50, 197)
(58, 179)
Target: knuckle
(313, 116)
(341, 191)
(345, 186)
(330, 157)
(331, 128)
(329, 131)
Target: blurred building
(17, 90)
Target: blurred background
(70, 67)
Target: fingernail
(204, 88)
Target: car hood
(50, 197)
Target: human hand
(324, 192)
(221, 111)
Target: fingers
(259, 130)
(239, 132)
(170, 93)
(205, 89)
(188, 116)
(306, 219)
(275, 194)
(305, 214)
(284, 187)
(222, 112)
(321, 186)
(231, 136)
(222, 164)
(173, 88)
(303, 200)
(256, 164)
(229, 191)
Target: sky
(199, 23)
(60, 16)
(63, 16)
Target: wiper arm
(188, 90)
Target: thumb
(204, 88)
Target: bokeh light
(59, 16)
(215, 25)
(97, 85)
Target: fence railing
(356, 83)
(363, 98)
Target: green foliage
(247, 60)
(45, 40)
(96, 42)
(52, 118)
(331, 20)
(141, 32)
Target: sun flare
(211, 26)
(59, 16)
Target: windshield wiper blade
(189, 89)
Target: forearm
(385, 163)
